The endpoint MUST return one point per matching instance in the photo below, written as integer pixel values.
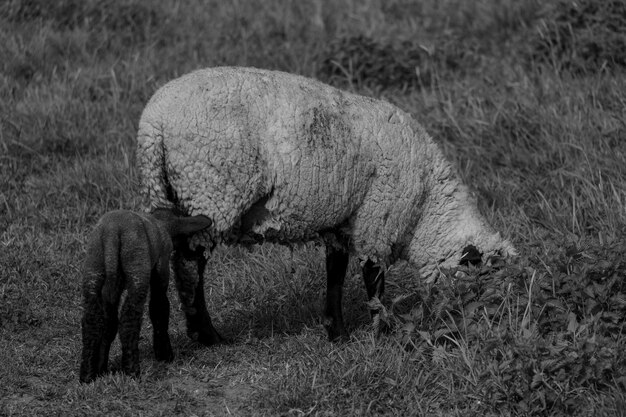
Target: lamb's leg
(374, 278)
(336, 266)
(130, 321)
(110, 331)
(189, 272)
(160, 312)
(92, 331)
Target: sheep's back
(233, 138)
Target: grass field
(528, 98)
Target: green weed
(535, 337)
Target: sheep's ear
(188, 225)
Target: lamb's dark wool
(129, 251)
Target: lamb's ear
(188, 225)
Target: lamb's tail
(152, 166)
(101, 287)
(111, 247)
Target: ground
(526, 98)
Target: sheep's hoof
(380, 322)
(341, 338)
(163, 351)
(384, 328)
(337, 335)
(207, 338)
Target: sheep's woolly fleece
(285, 157)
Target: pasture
(528, 98)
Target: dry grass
(526, 98)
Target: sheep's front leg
(336, 266)
(374, 278)
(160, 312)
(189, 272)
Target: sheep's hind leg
(336, 266)
(189, 272)
(374, 278)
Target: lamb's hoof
(86, 378)
(90, 371)
(132, 370)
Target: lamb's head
(178, 225)
(454, 234)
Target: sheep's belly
(294, 220)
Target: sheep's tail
(152, 166)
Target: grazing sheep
(278, 157)
(131, 251)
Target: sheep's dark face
(489, 250)
(471, 256)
